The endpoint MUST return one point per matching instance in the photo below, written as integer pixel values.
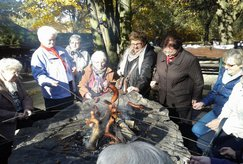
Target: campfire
(80, 132)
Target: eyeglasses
(229, 65)
(136, 44)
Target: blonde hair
(10, 64)
(45, 31)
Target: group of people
(66, 74)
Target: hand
(200, 160)
(214, 124)
(153, 84)
(193, 101)
(54, 83)
(74, 70)
(20, 116)
(105, 85)
(119, 72)
(131, 88)
(27, 112)
(197, 105)
(227, 152)
(88, 95)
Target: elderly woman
(80, 58)
(179, 77)
(137, 64)
(14, 104)
(227, 78)
(232, 129)
(96, 76)
(133, 153)
(53, 69)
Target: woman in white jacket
(232, 130)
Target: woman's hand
(24, 115)
(88, 95)
(197, 105)
(214, 124)
(227, 152)
(153, 84)
(131, 88)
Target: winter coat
(141, 76)
(8, 109)
(180, 81)
(47, 68)
(220, 93)
(83, 84)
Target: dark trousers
(5, 150)
(53, 106)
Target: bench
(210, 65)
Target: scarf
(96, 83)
(227, 78)
(169, 59)
(125, 58)
(54, 52)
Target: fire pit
(67, 137)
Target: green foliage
(65, 15)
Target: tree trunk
(103, 27)
(94, 21)
(125, 23)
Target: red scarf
(169, 59)
(54, 52)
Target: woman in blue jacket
(53, 69)
(227, 78)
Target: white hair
(10, 64)
(133, 153)
(100, 55)
(45, 31)
(75, 37)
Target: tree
(69, 15)
(228, 12)
(205, 10)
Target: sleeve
(220, 161)
(83, 89)
(146, 71)
(110, 75)
(230, 105)
(196, 75)
(156, 75)
(209, 99)
(5, 114)
(39, 72)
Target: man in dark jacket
(137, 64)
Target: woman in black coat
(137, 64)
(179, 78)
